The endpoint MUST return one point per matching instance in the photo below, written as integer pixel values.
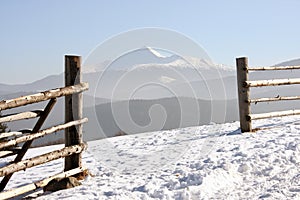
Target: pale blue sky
(36, 34)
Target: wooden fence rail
(42, 133)
(38, 184)
(54, 155)
(43, 96)
(20, 116)
(273, 68)
(73, 130)
(244, 86)
(275, 82)
(274, 99)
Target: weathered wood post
(73, 110)
(243, 94)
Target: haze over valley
(144, 90)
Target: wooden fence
(244, 93)
(73, 130)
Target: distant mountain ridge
(150, 57)
(133, 69)
(172, 79)
(293, 62)
(49, 82)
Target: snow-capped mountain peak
(154, 52)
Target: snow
(156, 53)
(213, 161)
(166, 79)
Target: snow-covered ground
(207, 162)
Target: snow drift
(207, 162)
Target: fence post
(73, 110)
(243, 94)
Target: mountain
(212, 89)
(128, 60)
(49, 82)
(293, 62)
(133, 74)
(146, 66)
(164, 86)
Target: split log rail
(244, 86)
(74, 144)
